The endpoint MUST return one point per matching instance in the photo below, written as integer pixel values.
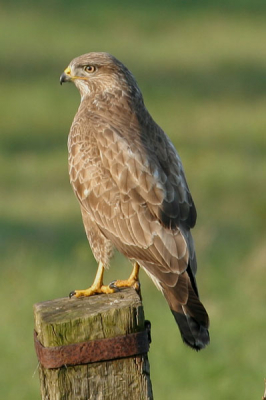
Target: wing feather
(137, 196)
(132, 189)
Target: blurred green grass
(202, 72)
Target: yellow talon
(132, 281)
(98, 287)
(91, 291)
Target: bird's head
(99, 74)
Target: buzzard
(132, 190)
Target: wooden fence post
(93, 348)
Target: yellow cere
(67, 71)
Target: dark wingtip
(194, 334)
(199, 344)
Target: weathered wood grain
(67, 321)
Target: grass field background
(202, 71)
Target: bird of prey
(132, 190)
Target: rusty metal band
(93, 351)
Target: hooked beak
(66, 76)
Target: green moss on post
(67, 321)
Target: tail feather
(193, 333)
(190, 315)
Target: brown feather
(132, 189)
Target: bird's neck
(116, 105)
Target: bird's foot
(93, 290)
(135, 283)
(132, 281)
(97, 287)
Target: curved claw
(112, 285)
(71, 294)
(116, 285)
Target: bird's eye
(89, 68)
